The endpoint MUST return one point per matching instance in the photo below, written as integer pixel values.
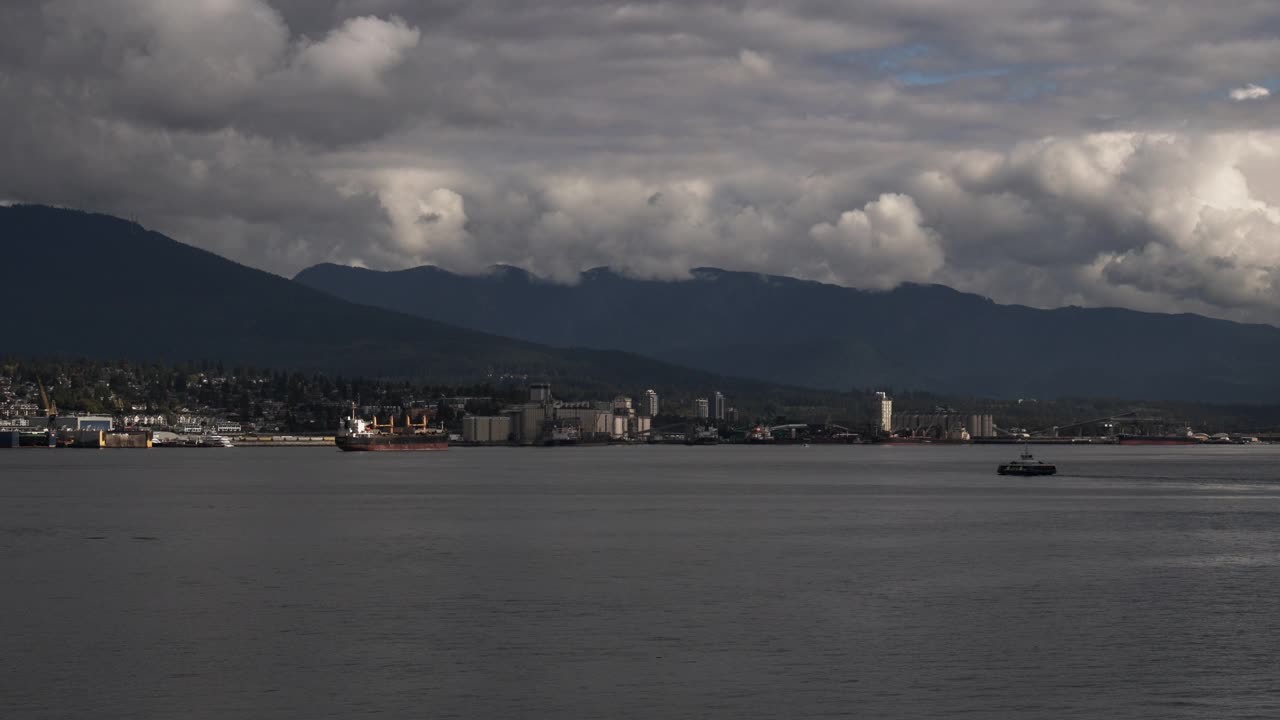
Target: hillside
(95, 286)
(784, 330)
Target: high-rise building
(651, 403)
(882, 413)
(703, 408)
(718, 406)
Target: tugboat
(358, 435)
(1026, 464)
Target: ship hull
(390, 443)
(1027, 471)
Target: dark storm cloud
(1095, 152)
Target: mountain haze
(100, 287)
(791, 331)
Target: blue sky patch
(914, 77)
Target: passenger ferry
(1026, 464)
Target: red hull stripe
(389, 445)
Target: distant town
(88, 404)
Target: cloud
(355, 55)
(1170, 220)
(209, 65)
(1249, 92)
(172, 64)
(428, 220)
(756, 63)
(1044, 153)
(879, 246)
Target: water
(648, 582)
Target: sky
(1096, 152)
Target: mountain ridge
(800, 332)
(101, 287)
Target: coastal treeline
(286, 400)
(301, 401)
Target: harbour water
(640, 582)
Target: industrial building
(73, 423)
(948, 425)
(540, 393)
(547, 421)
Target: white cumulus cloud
(880, 246)
(356, 54)
(1250, 92)
(1162, 221)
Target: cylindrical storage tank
(531, 424)
(499, 429)
(469, 428)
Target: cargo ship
(895, 440)
(360, 436)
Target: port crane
(50, 409)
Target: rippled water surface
(647, 582)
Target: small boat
(1026, 464)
